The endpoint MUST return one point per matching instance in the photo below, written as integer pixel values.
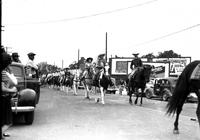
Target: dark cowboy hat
(89, 58)
(67, 68)
(135, 54)
(15, 54)
(31, 54)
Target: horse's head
(147, 72)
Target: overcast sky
(56, 29)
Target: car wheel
(149, 93)
(166, 95)
(29, 117)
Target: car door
(32, 82)
(157, 86)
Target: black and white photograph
(100, 70)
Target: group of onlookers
(8, 87)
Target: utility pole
(78, 54)
(106, 48)
(62, 63)
(7, 48)
(1, 134)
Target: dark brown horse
(138, 82)
(187, 82)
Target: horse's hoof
(130, 102)
(135, 103)
(175, 131)
(87, 98)
(97, 100)
(103, 103)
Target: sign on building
(176, 64)
(161, 67)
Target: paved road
(61, 116)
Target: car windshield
(17, 71)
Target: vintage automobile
(24, 102)
(162, 88)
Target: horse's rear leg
(198, 107)
(130, 96)
(141, 98)
(136, 98)
(137, 95)
(176, 130)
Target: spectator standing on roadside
(15, 57)
(32, 68)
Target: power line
(167, 35)
(92, 15)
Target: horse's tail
(179, 95)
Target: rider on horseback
(88, 65)
(136, 65)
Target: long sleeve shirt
(31, 63)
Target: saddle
(196, 73)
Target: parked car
(149, 93)
(28, 87)
(162, 88)
(192, 97)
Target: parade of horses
(99, 81)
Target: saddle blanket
(196, 73)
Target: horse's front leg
(86, 92)
(130, 96)
(102, 95)
(137, 95)
(142, 93)
(75, 88)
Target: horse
(66, 82)
(88, 81)
(137, 82)
(97, 78)
(188, 81)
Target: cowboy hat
(135, 54)
(31, 54)
(15, 54)
(89, 58)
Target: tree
(168, 54)
(149, 57)
(43, 68)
